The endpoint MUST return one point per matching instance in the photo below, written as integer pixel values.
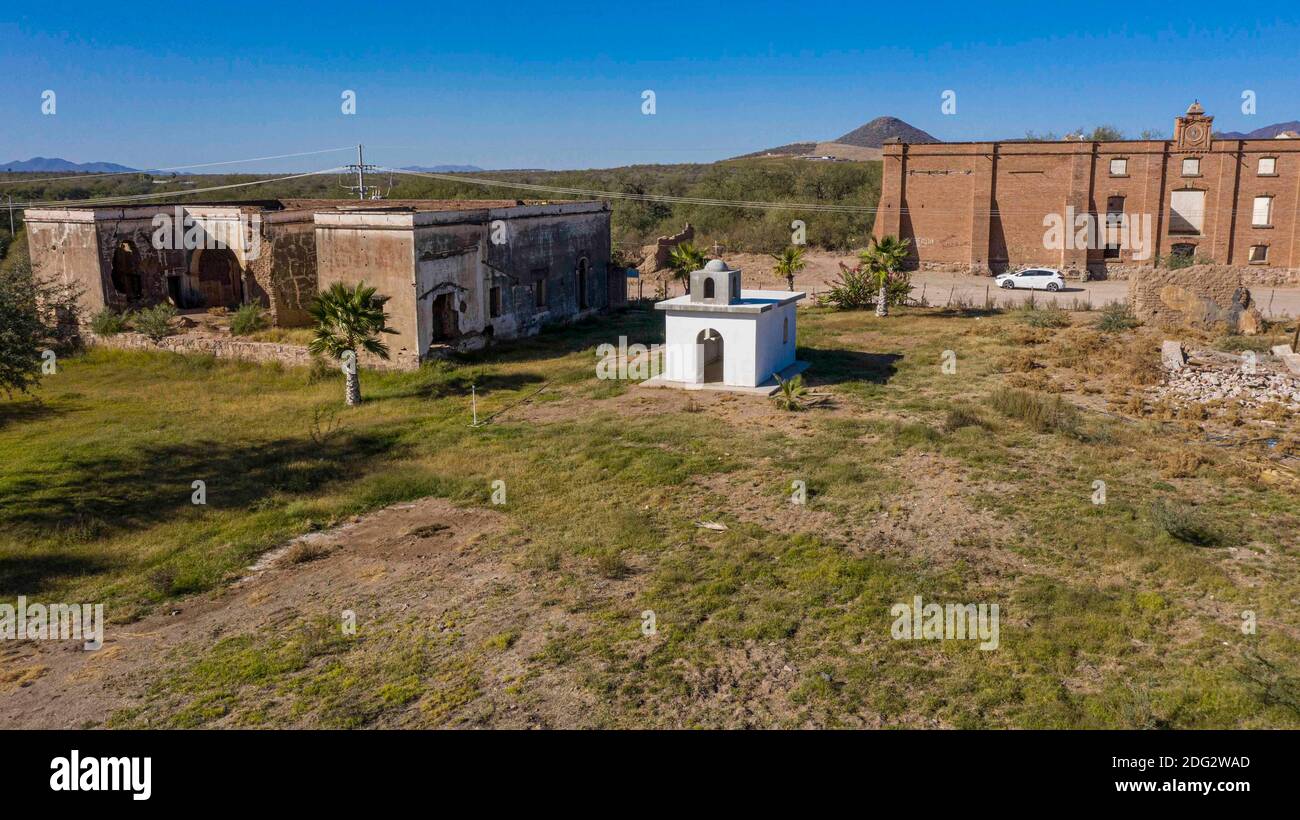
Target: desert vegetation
(635, 222)
(975, 485)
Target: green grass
(1111, 617)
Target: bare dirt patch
(420, 554)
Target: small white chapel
(722, 337)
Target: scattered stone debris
(1210, 375)
(1172, 356)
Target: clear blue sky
(554, 85)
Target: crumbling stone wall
(1200, 295)
(244, 350)
(284, 272)
(655, 257)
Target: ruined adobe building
(459, 278)
(457, 274)
(192, 256)
(982, 206)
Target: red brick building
(989, 206)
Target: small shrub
(502, 641)
(1177, 261)
(855, 289)
(1020, 361)
(1050, 316)
(1240, 344)
(792, 393)
(108, 322)
(1180, 464)
(321, 370)
(1138, 364)
(915, 434)
(248, 319)
(1183, 523)
(897, 290)
(154, 322)
(610, 564)
(1046, 414)
(544, 558)
(304, 551)
(162, 580)
(1116, 317)
(961, 416)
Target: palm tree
(885, 256)
(789, 262)
(349, 320)
(684, 259)
(792, 393)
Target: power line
(733, 203)
(97, 174)
(370, 191)
(641, 197)
(360, 167)
(55, 203)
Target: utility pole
(360, 167)
(11, 214)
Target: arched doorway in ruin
(218, 276)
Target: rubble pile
(1208, 376)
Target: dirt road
(939, 287)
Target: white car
(1033, 279)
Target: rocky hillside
(851, 146)
(874, 133)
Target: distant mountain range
(1268, 132)
(442, 169)
(862, 143)
(44, 165)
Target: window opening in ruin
(582, 284)
(126, 271)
